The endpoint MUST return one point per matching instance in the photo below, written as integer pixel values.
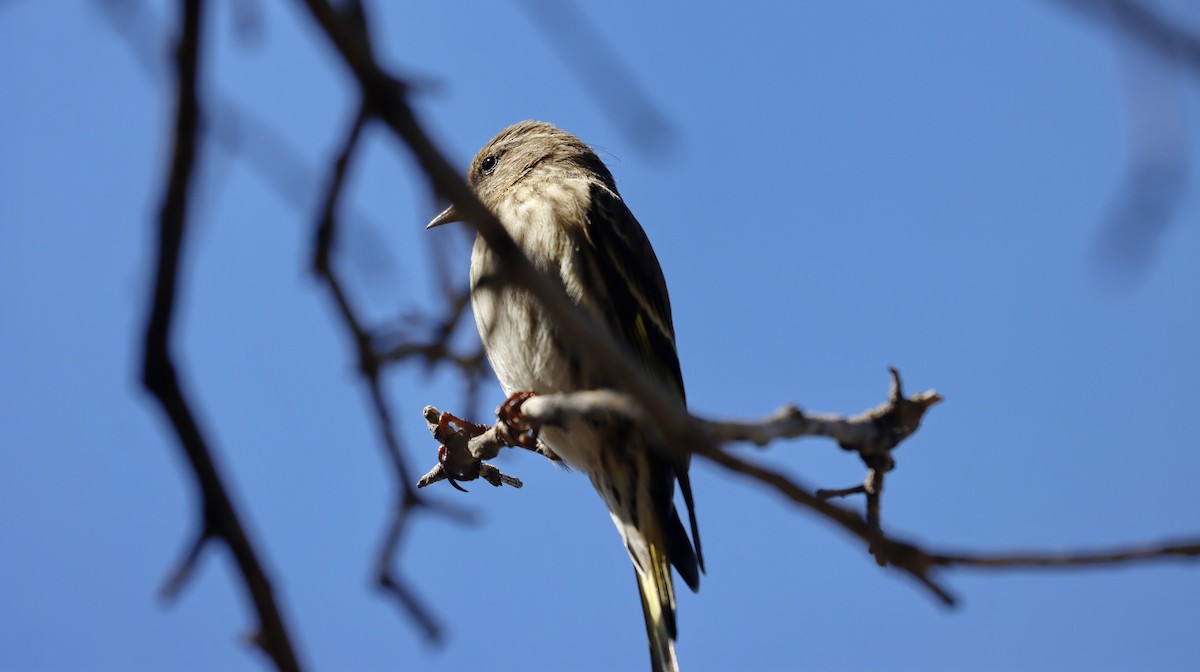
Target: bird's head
(528, 149)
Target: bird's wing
(628, 271)
(633, 280)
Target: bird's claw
(518, 430)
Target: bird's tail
(658, 606)
(641, 508)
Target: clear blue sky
(855, 185)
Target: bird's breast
(522, 342)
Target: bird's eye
(489, 164)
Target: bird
(560, 204)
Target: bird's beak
(447, 216)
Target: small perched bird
(560, 204)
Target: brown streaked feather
(629, 271)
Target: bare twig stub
(219, 519)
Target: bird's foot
(517, 428)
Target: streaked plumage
(560, 204)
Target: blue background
(852, 185)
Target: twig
(1187, 549)
(187, 564)
(904, 556)
(219, 517)
(841, 492)
(872, 434)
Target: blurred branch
(1155, 183)
(438, 349)
(1142, 23)
(370, 364)
(268, 154)
(602, 72)
(283, 168)
(219, 517)
(1156, 177)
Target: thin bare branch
(904, 556)
(187, 564)
(220, 518)
(1182, 550)
(370, 364)
(871, 433)
(837, 493)
(385, 573)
